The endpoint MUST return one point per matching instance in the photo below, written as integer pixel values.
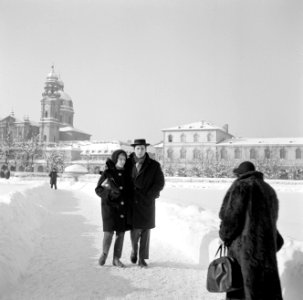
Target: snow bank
(21, 214)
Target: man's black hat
(139, 142)
(244, 167)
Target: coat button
(120, 174)
(121, 216)
(121, 187)
(122, 203)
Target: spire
(12, 112)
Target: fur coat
(248, 216)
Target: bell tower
(50, 108)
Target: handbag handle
(222, 249)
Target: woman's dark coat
(248, 224)
(115, 196)
(147, 185)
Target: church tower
(50, 109)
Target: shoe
(133, 257)
(102, 259)
(142, 263)
(118, 263)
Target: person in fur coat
(248, 216)
(114, 187)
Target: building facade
(188, 145)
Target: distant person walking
(248, 216)
(53, 178)
(114, 188)
(148, 181)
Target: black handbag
(224, 273)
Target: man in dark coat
(148, 181)
(248, 216)
(53, 178)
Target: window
(44, 138)
(170, 138)
(252, 153)
(46, 114)
(237, 153)
(267, 153)
(282, 153)
(196, 154)
(196, 137)
(298, 153)
(183, 153)
(209, 137)
(183, 138)
(223, 153)
(170, 153)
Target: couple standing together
(128, 188)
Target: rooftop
(204, 125)
(263, 141)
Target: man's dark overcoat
(248, 216)
(114, 188)
(147, 185)
(53, 177)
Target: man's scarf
(138, 164)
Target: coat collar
(255, 174)
(145, 164)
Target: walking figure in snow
(53, 178)
(248, 216)
(148, 181)
(114, 189)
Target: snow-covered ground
(51, 239)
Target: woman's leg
(119, 244)
(107, 240)
(118, 249)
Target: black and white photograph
(151, 149)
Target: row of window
(196, 138)
(253, 154)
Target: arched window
(183, 138)
(267, 153)
(40, 169)
(209, 154)
(209, 137)
(237, 153)
(223, 153)
(196, 137)
(196, 153)
(170, 153)
(183, 153)
(282, 153)
(170, 138)
(298, 153)
(252, 153)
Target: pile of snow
(21, 214)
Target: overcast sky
(134, 67)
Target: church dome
(64, 96)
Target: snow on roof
(100, 148)
(159, 145)
(71, 129)
(204, 125)
(76, 169)
(263, 141)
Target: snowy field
(51, 240)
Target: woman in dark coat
(114, 188)
(248, 226)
